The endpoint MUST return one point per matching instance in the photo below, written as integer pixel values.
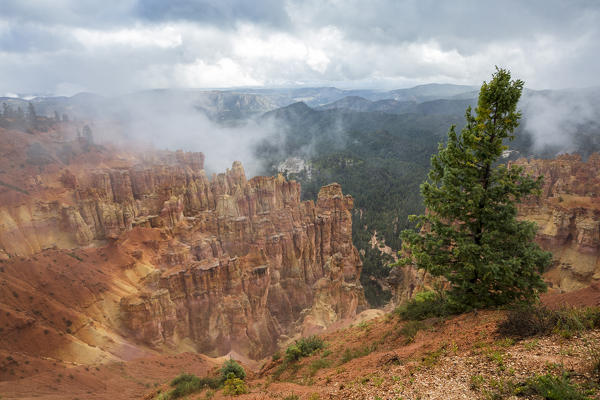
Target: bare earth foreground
(460, 358)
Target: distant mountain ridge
(234, 103)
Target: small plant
(476, 382)
(528, 321)
(499, 389)
(427, 304)
(232, 367)
(291, 397)
(595, 362)
(498, 358)
(234, 386)
(350, 354)
(433, 357)
(318, 364)
(185, 384)
(378, 381)
(532, 345)
(276, 356)
(410, 329)
(303, 348)
(553, 387)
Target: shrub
(427, 304)
(318, 364)
(527, 321)
(409, 330)
(552, 387)
(234, 386)
(232, 367)
(350, 354)
(185, 384)
(291, 397)
(276, 356)
(303, 348)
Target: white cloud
(224, 73)
(161, 37)
(351, 43)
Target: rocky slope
(110, 255)
(568, 216)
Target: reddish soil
(586, 297)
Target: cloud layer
(118, 46)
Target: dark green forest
(379, 158)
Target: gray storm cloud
(121, 46)
(115, 47)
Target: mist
(562, 121)
(167, 121)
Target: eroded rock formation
(217, 265)
(242, 273)
(568, 216)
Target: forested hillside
(378, 158)
(379, 151)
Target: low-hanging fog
(118, 47)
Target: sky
(62, 47)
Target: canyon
(111, 255)
(114, 259)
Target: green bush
(427, 304)
(234, 385)
(527, 321)
(276, 356)
(303, 348)
(232, 367)
(185, 384)
(552, 387)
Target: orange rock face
(568, 217)
(173, 261)
(242, 274)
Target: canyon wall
(568, 217)
(172, 260)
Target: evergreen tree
(470, 234)
(31, 114)
(31, 117)
(87, 134)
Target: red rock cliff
(219, 265)
(568, 216)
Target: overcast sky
(116, 46)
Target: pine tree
(31, 114)
(470, 234)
